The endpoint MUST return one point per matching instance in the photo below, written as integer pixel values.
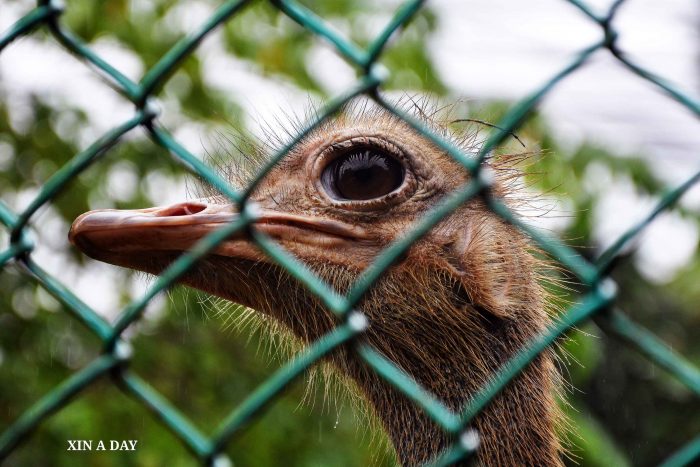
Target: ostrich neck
(453, 360)
(447, 345)
(516, 429)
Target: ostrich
(459, 304)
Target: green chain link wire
(596, 304)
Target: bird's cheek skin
(321, 252)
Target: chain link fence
(597, 303)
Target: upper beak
(173, 228)
(130, 237)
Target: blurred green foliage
(623, 410)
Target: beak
(144, 238)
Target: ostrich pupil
(362, 175)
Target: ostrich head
(458, 304)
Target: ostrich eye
(362, 175)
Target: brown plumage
(457, 306)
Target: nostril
(182, 209)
